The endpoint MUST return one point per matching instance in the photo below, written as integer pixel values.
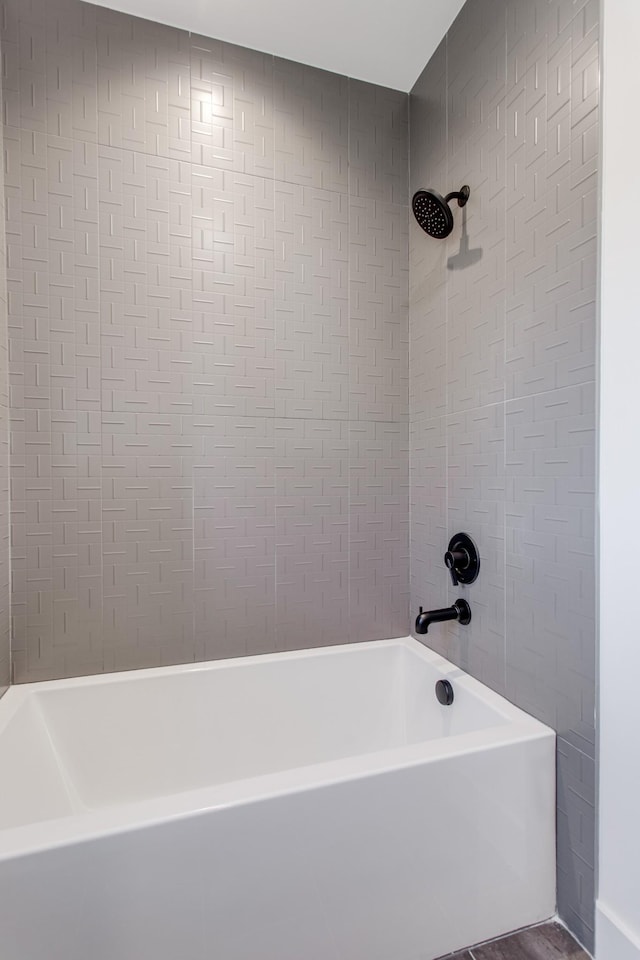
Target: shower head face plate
(432, 213)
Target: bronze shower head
(433, 213)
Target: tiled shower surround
(228, 336)
(208, 284)
(502, 353)
(5, 571)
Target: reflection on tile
(208, 347)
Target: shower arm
(460, 195)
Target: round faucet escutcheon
(464, 612)
(462, 559)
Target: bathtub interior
(88, 744)
(34, 784)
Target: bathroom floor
(549, 941)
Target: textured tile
(378, 300)
(311, 126)
(378, 142)
(428, 335)
(378, 529)
(231, 116)
(476, 130)
(576, 825)
(202, 239)
(190, 363)
(428, 121)
(552, 216)
(551, 559)
(429, 521)
(312, 532)
(503, 319)
(476, 505)
(312, 307)
(143, 86)
(5, 564)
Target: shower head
(433, 213)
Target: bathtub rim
(86, 824)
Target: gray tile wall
(208, 292)
(5, 571)
(502, 392)
(208, 303)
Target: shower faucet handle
(453, 559)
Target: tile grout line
(505, 551)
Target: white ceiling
(382, 41)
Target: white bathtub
(319, 805)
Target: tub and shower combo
(318, 805)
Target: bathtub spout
(460, 611)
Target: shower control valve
(454, 558)
(462, 559)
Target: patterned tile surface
(5, 567)
(216, 347)
(502, 382)
(208, 300)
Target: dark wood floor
(549, 941)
